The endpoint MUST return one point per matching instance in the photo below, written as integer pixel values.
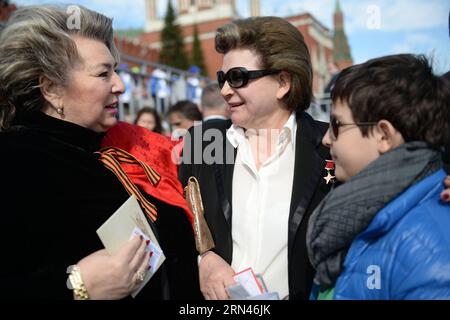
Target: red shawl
(155, 150)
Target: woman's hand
(109, 277)
(215, 276)
(445, 195)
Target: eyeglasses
(238, 77)
(335, 125)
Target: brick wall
(213, 60)
(6, 11)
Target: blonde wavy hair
(38, 41)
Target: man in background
(213, 105)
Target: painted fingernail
(446, 196)
(141, 237)
(151, 254)
(149, 267)
(147, 242)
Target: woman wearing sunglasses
(259, 196)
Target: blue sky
(374, 27)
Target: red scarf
(155, 151)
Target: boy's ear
(388, 137)
(284, 80)
(50, 91)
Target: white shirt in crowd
(214, 117)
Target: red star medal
(330, 171)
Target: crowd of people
(357, 208)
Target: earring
(60, 111)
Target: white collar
(236, 134)
(214, 117)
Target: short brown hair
(187, 109)
(280, 46)
(401, 89)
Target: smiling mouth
(114, 105)
(235, 105)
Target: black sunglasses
(335, 125)
(238, 77)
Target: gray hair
(211, 97)
(38, 41)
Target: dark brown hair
(187, 109)
(280, 47)
(401, 89)
(158, 126)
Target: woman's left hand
(111, 277)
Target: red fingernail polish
(445, 196)
(147, 242)
(149, 267)
(151, 254)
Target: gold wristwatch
(75, 283)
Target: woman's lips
(235, 105)
(113, 108)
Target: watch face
(70, 268)
(71, 284)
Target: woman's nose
(118, 86)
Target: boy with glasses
(383, 234)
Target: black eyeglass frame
(335, 125)
(246, 75)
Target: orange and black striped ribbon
(112, 158)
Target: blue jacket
(405, 251)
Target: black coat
(308, 190)
(54, 195)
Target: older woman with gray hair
(58, 97)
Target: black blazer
(54, 195)
(216, 183)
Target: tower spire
(338, 7)
(341, 53)
(150, 9)
(255, 10)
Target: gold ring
(140, 276)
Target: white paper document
(122, 225)
(249, 287)
(247, 279)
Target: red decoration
(158, 152)
(330, 165)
